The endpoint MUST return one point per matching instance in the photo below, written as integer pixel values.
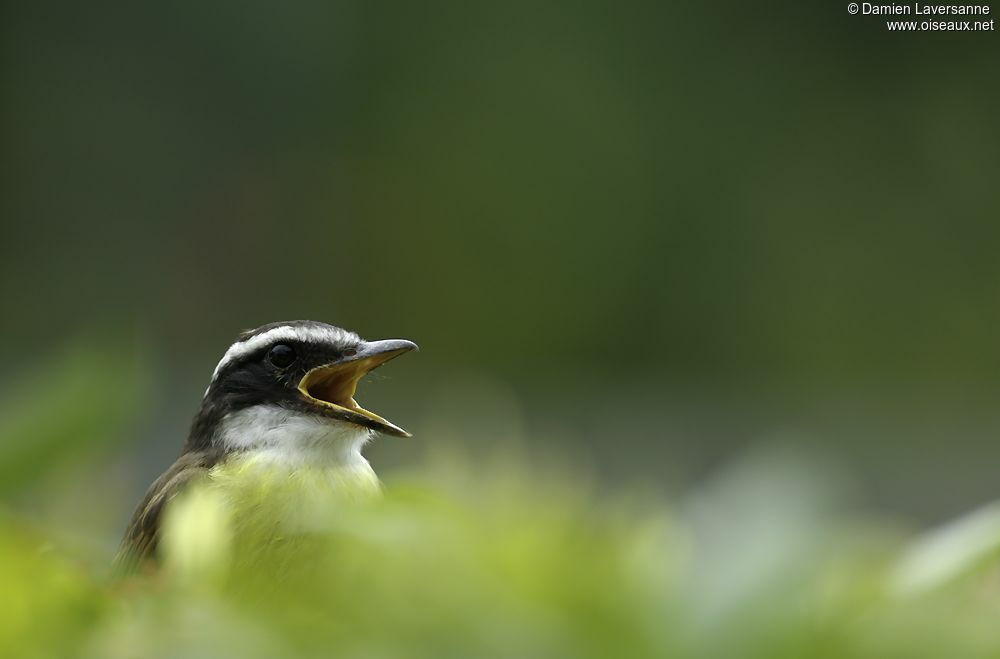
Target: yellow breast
(251, 502)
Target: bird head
(285, 375)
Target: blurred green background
(645, 237)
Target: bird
(279, 409)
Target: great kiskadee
(280, 403)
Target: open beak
(332, 386)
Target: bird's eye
(281, 355)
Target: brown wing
(139, 544)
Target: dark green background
(643, 235)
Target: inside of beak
(334, 385)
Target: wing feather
(138, 547)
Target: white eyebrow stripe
(306, 334)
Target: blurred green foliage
(515, 563)
(42, 592)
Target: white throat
(286, 470)
(275, 435)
